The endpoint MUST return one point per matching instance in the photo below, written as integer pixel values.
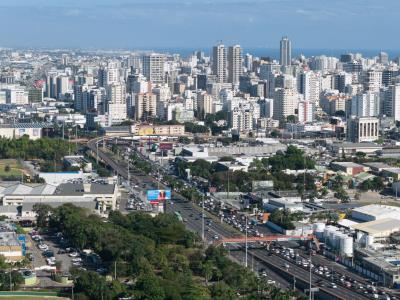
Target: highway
(191, 213)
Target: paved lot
(39, 260)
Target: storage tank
(346, 245)
(336, 239)
(319, 227)
(319, 230)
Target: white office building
(366, 105)
(219, 63)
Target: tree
(7, 168)
(291, 119)
(42, 212)
(149, 287)
(207, 270)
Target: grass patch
(10, 168)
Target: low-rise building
(12, 246)
(101, 197)
(349, 168)
(17, 130)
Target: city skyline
(310, 24)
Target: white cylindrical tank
(336, 239)
(319, 230)
(346, 245)
(319, 227)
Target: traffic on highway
(212, 220)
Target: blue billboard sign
(155, 196)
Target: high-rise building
(372, 80)
(285, 52)
(145, 106)
(79, 91)
(248, 62)
(219, 63)
(62, 86)
(285, 103)
(116, 103)
(384, 58)
(205, 103)
(306, 111)
(392, 101)
(112, 72)
(234, 64)
(341, 81)
(308, 84)
(365, 105)
(153, 68)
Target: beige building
(362, 129)
(163, 130)
(285, 103)
(205, 103)
(145, 106)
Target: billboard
(156, 196)
(166, 146)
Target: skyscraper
(219, 65)
(285, 52)
(153, 68)
(234, 63)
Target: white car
(76, 259)
(43, 247)
(73, 254)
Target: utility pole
(246, 242)
(294, 283)
(202, 220)
(310, 279)
(97, 152)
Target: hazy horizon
(310, 24)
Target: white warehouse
(375, 212)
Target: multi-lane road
(191, 213)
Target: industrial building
(33, 130)
(375, 212)
(376, 231)
(100, 198)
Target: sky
(135, 24)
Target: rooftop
(379, 226)
(377, 210)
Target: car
(101, 270)
(73, 254)
(75, 259)
(43, 247)
(333, 285)
(77, 263)
(48, 253)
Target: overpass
(268, 239)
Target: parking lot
(49, 252)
